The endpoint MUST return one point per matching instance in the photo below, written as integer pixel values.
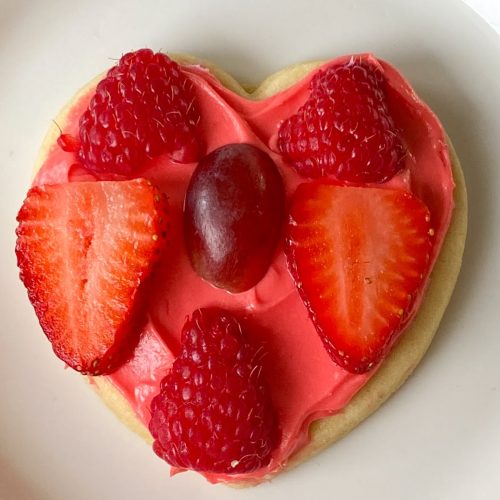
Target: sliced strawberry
(358, 256)
(83, 250)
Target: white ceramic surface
(439, 437)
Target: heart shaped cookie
(343, 187)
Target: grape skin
(233, 215)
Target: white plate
(439, 437)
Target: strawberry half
(358, 257)
(84, 250)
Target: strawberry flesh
(359, 257)
(84, 250)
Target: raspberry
(144, 107)
(344, 129)
(214, 412)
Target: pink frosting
(305, 383)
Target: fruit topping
(68, 143)
(214, 412)
(233, 215)
(84, 249)
(358, 256)
(144, 107)
(344, 129)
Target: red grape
(233, 215)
